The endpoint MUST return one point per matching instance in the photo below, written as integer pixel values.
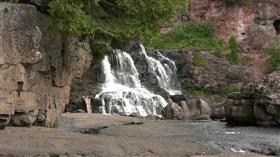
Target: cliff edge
(36, 67)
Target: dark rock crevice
(276, 25)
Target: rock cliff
(257, 103)
(36, 67)
(251, 22)
(213, 76)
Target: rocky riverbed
(106, 135)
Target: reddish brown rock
(251, 22)
(36, 67)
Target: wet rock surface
(106, 135)
(224, 138)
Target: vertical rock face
(36, 67)
(257, 103)
(251, 22)
(211, 78)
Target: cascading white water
(122, 90)
(165, 73)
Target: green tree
(233, 56)
(111, 23)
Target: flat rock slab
(69, 121)
(123, 136)
(46, 141)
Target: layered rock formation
(36, 67)
(251, 22)
(257, 103)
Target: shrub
(200, 35)
(231, 75)
(222, 92)
(233, 57)
(230, 89)
(257, 20)
(197, 91)
(274, 62)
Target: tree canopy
(111, 23)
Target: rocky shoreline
(82, 134)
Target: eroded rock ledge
(36, 67)
(257, 103)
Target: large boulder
(267, 100)
(257, 103)
(195, 109)
(36, 67)
(174, 111)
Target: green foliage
(201, 35)
(197, 91)
(70, 17)
(231, 75)
(257, 20)
(11, 1)
(233, 57)
(199, 61)
(222, 92)
(274, 51)
(274, 62)
(231, 2)
(229, 89)
(111, 23)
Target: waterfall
(165, 72)
(122, 91)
